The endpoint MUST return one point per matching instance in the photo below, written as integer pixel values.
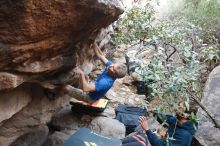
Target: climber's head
(117, 70)
(182, 112)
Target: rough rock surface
(108, 127)
(207, 134)
(40, 38)
(13, 102)
(35, 137)
(56, 139)
(37, 112)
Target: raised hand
(144, 123)
(99, 53)
(97, 50)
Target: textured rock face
(108, 127)
(39, 37)
(13, 102)
(40, 43)
(35, 137)
(24, 119)
(207, 134)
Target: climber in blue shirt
(91, 93)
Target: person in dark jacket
(180, 130)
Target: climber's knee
(66, 89)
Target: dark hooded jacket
(180, 135)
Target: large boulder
(70, 119)
(56, 139)
(14, 101)
(208, 134)
(108, 127)
(29, 112)
(64, 123)
(40, 38)
(35, 137)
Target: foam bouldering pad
(98, 106)
(85, 137)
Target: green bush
(205, 13)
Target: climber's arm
(99, 53)
(85, 85)
(153, 138)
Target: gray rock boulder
(207, 134)
(65, 120)
(35, 137)
(14, 101)
(31, 110)
(108, 127)
(56, 139)
(108, 112)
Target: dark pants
(139, 139)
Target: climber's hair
(182, 106)
(121, 70)
(182, 111)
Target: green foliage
(205, 13)
(194, 120)
(172, 78)
(135, 25)
(211, 54)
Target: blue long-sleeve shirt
(182, 135)
(103, 83)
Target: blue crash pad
(85, 137)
